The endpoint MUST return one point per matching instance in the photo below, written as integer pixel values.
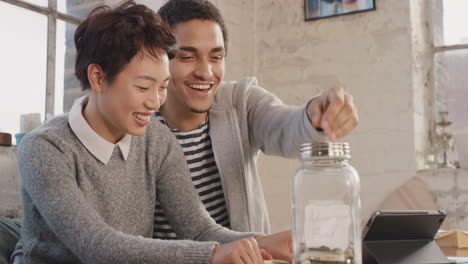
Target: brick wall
(450, 190)
(373, 55)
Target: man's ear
(96, 77)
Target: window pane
(78, 8)
(67, 87)
(451, 84)
(43, 3)
(23, 53)
(449, 18)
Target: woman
(89, 179)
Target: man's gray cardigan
(245, 119)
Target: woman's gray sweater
(80, 210)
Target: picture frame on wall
(317, 9)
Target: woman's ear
(96, 77)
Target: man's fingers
(334, 112)
(346, 112)
(347, 121)
(342, 122)
(315, 111)
(346, 127)
(336, 99)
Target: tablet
(403, 224)
(403, 237)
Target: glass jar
(326, 206)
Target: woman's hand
(279, 245)
(244, 251)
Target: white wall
(371, 54)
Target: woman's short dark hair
(177, 11)
(112, 37)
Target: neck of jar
(324, 161)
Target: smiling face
(126, 104)
(198, 67)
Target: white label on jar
(327, 223)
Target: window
(38, 53)
(450, 38)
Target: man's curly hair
(178, 11)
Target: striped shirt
(198, 152)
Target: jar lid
(326, 150)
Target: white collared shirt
(94, 143)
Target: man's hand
(334, 112)
(244, 251)
(279, 245)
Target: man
(223, 126)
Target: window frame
(438, 46)
(53, 15)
